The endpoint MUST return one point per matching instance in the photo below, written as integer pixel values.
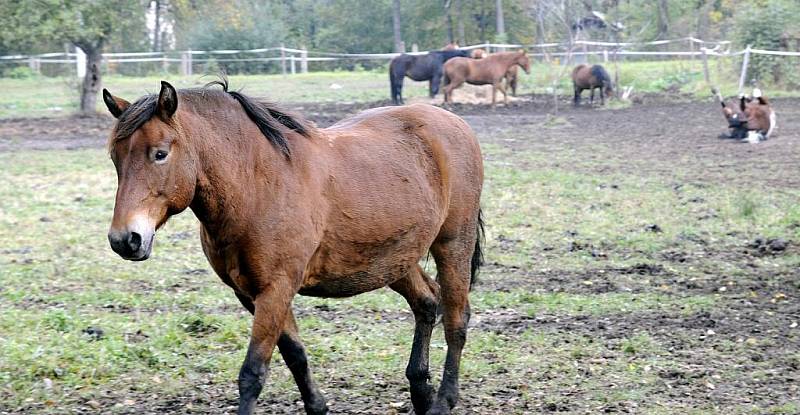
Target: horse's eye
(160, 155)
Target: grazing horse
(427, 67)
(752, 120)
(591, 77)
(490, 70)
(286, 208)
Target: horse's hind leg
(421, 292)
(294, 354)
(453, 260)
(577, 99)
(591, 97)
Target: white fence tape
(322, 56)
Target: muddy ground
(675, 142)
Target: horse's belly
(350, 284)
(343, 268)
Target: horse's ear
(523, 51)
(763, 100)
(116, 106)
(167, 101)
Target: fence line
(290, 56)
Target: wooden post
(34, 64)
(80, 60)
(283, 60)
(414, 47)
(164, 63)
(705, 66)
(616, 72)
(605, 56)
(291, 60)
(189, 68)
(743, 76)
(303, 60)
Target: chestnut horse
(591, 77)
(286, 208)
(490, 70)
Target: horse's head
(156, 171)
(523, 61)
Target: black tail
(477, 256)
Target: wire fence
(286, 60)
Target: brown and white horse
(286, 209)
(751, 119)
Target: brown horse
(478, 54)
(490, 70)
(591, 77)
(286, 208)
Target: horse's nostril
(134, 241)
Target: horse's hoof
(439, 410)
(317, 407)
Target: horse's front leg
(271, 306)
(591, 97)
(435, 83)
(494, 94)
(577, 99)
(499, 85)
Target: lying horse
(286, 209)
(427, 67)
(752, 120)
(490, 70)
(591, 77)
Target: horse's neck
(507, 60)
(232, 166)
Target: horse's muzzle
(134, 243)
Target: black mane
(267, 116)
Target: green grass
(43, 96)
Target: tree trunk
(92, 82)
(398, 37)
(703, 9)
(663, 19)
(157, 30)
(501, 23)
(448, 21)
(462, 39)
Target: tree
(398, 37)
(501, 23)
(87, 24)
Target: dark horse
(426, 67)
(591, 77)
(286, 208)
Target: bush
(761, 25)
(21, 72)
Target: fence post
(414, 47)
(705, 66)
(164, 62)
(34, 64)
(291, 60)
(303, 60)
(745, 62)
(283, 60)
(80, 60)
(605, 55)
